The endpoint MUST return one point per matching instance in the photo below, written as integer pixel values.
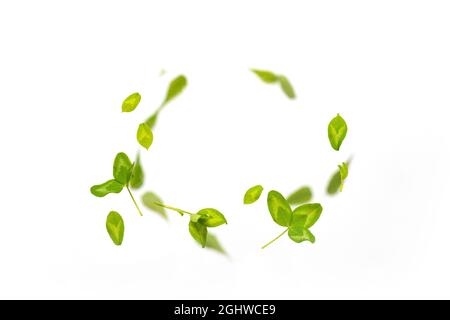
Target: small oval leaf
(115, 227)
(199, 232)
(137, 174)
(252, 195)
(302, 195)
(306, 215)
(337, 130)
(300, 235)
(131, 102)
(145, 135)
(149, 199)
(265, 76)
(211, 217)
(110, 186)
(122, 168)
(279, 208)
(176, 87)
(286, 87)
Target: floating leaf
(130, 103)
(137, 174)
(211, 217)
(252, 195)
(343, 173)
(266, 76)
(213, 243)
(115, 227)
(335, 181)
(145, 135)
(122, 168)
(199, 232)
(152, 120)
(306, 215)
(286, 87)
(302, 195)
(111, 186)
(279, 208)
(300, 235)
(176, 86)
(337, 130)
(149, 199)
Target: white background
(66, 66)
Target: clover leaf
(337, 130)
(115, 227)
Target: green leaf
(252, 195)
(266, 76)
(335, 181)
(279, 208)
(130, 103)
(343, 173)
(137, 174)
(145, 135)
(110, 186)
(300, 235)
(199, 232)
(302, 195)
(115, 227)
(122, 168)
(286, 87)
(213, 243)
(337, 130)
(306, 215)
(176, 86)
(149, 199)
(152, 120)
(211, 217)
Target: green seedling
(175, 88)
(252, 195)
(273, 78)
(297, 222)
(200, 222)
(122, 172)
(337, 130)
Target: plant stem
(278, 237)
(174, 209)
(134, 201)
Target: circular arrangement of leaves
(296, 223)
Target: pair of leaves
(337, 130)
(298, 221)
(115, 227)
(201, 221)
(122, 171)
(272, 78)
(176, 87)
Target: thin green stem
(134, 201)
(278, 237)
(174, 209)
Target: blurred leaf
(111, 186)
(335, 181)
(122, 168)
(145, 135)
(298, 235)
(149, 199)
(176, 86)
(343, 173)
(286, 87)
(131, 102)
(213, 243)
(137, 174)
(266, 76)
(211, 217)
(252, 195)
(337, 130)
(199, 232)
(115, 227)
(279, 208)
(302, 195)
(152, 120)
